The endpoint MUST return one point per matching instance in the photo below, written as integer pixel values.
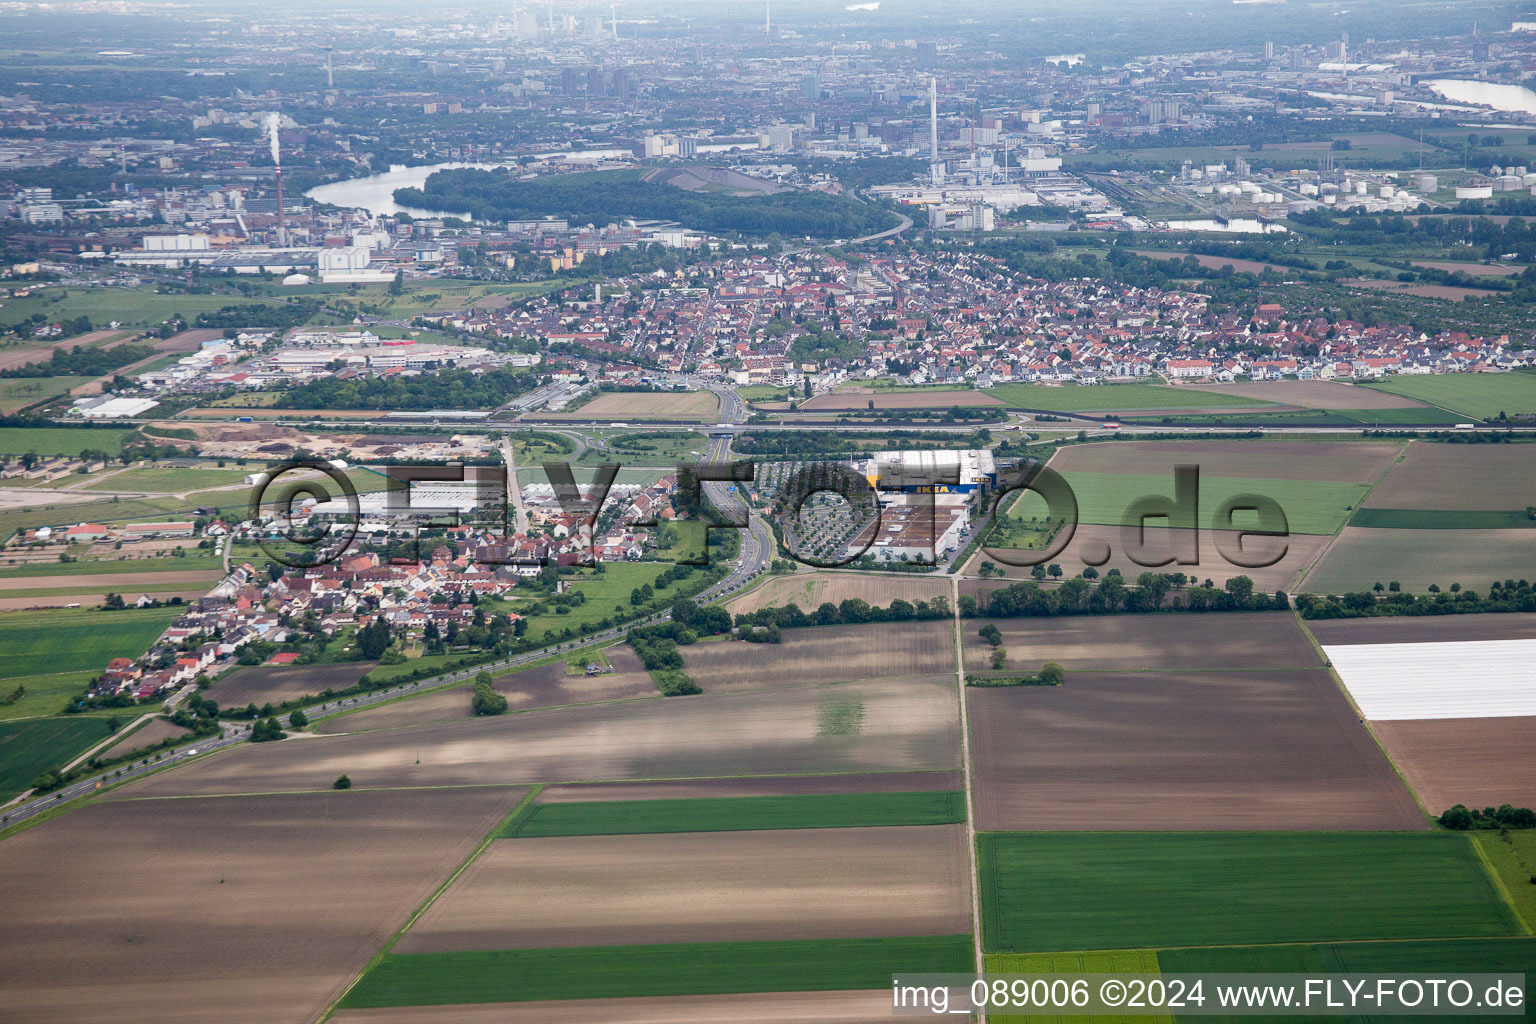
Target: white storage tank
(1298, 206)
(1507, 183)
(1429, 183)
(1474, 191)
(1330, 199)
(1388, 191)
(1308, 190)
(1360, 188)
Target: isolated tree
(1052, 674)
(991, 634)
(999, 658)
(342, 782)
(1055, 570)
(298, 719)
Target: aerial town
(767, 512)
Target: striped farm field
(734, 814)
(1116, 397)
(1069, 891)
(609, 972)
(1123, 962)
(1478, 395)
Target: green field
(1433, 958)
(763, 393)
(1115, 397)
(61, 440)
(75, 639)
(105, 511)
(133, 307)
(737, 814)
(169, 479)
(1438, 519)
(1310, 506)
(1422, 417)
(147, 567)
(1480, 396)
(27, 749)
(602, 590)
(608, 972)
(1112, 961)
(1069, 891)
(19, 392)
(45, 694)
(1513, 856)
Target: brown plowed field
(260, 684)
(1213, 750)
(1142, 643)
(114, 582)
(824, 654)
(726, 887)
(11, 604)
(1423, 629)
(150, 734)
(809, 590)
(1342, 461)
(1460, 477)
(1313, 394)
(838, 401)
(254, 909)
(1301, 549)
(790, 785)
(879, 725)
(541, 687)
(1480, 762)
(644, 405)
(868, 1007)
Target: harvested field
(1049, 891)
(1313, 394)
(644, 405)
(1423, 291)
(91, 600)
(41, 353)
(1225, 641)
(278, 900)
(543, 686)
(1424, 629)
(857, 1007)
(1473, 679)
(1240, 266)
(1338, 461)
(1301, 549)
(114, 582)
(1460, 477)
(885, 782)
(839, 401)
(824, 654)
(738, 886)
(1474, 269)
(262, 684)
(896, 725)
(810, 589)
(1480, 762)
(1361, 557)
(148, 735)
(1211, 750)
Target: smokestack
(330, 74)
(273, 121)
(933, 128)
(615, 11)
(767, 18)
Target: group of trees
(851, 611)
(449, 388)
(82, 362)
(602, 197)
(267, 730)
(1505, 596)
(1052, 673)
(282, 316)
(486, 700)
(1462, 818)
(1153, 592)
(841, 444)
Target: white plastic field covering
(1470, 679)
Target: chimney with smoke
(274, 120)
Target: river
(1511, 98)
(376, 193)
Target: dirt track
(1213, 750)
(737, 886)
